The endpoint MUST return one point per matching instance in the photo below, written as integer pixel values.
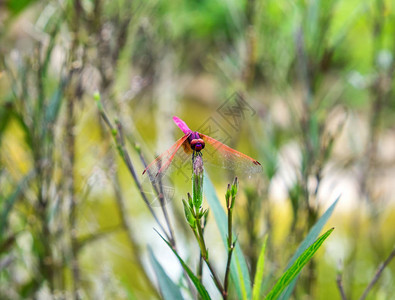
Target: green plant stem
(165, 213)
(159, 193)
(119, 141)
(230, 235)
(231, 247)
(200, 268)
(132, 171)
(198, 232)
(201, 241)
(227, 272)
(215, 277)
(121, 205)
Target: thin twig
(205, 258)
(120, 142)
(165, 213)
(378, 274)
(339, 283)
(200, 265)
(227, 272)
(132, 171)
(214, 275)
(160, 194)
(230, 197)
(200, 268)
(121, 205)
(198, 232)
(231, 246)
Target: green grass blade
(310, 238)
(239, 271)
(9, 202)
(53, 109)
(200, 288)
(296, 267)
(259, 272)
(170, 291)
(314, 232)
(5, 118)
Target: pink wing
(218, 153)
(182, 125)
(159, 166)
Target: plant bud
(188, 214)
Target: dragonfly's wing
(159, 166)
(219, 154)
(182, 125)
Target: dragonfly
(195, 143)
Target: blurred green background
(316, 83)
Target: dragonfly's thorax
(196, 142)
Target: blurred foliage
(317, 83)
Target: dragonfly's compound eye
(197, 144)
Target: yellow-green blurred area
(304, 87)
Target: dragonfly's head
(197, 143)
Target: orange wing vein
(229, 158)
(162, 162)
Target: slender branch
(160, 194)
(165, 213)
(214, 275)
(211, 268)
(121, 205)
(230, 197)
(378, 274)
(227, 272)
(198, 232)
(132, 171)
(203, 247)
(120, 143)
(200, 265)
(230, 234)
(200, 268)
(340, 287)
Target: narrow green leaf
(168, 288)
(188, 214)
(5, 117)
(240, 276)
(256, 291)
(52, 111)
(9, 202)
(200, 288)
(309, 239)
(242, 283)
(297, 266)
